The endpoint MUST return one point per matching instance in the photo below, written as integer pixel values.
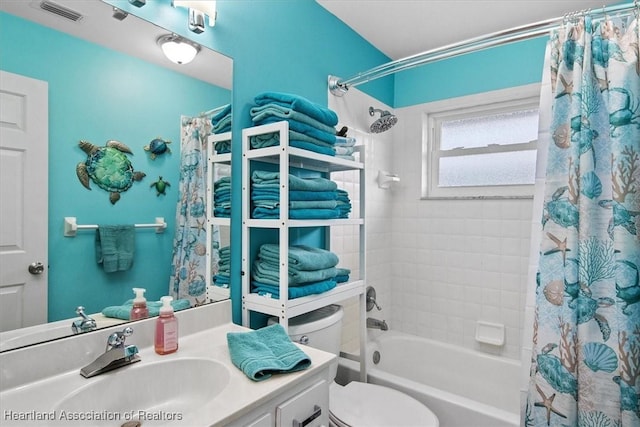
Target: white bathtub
(463, 388)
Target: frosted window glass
(504, 128)
(510, 168)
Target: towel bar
(71, 227)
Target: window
(482, 145)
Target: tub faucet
(377, 324)
(115, 356)
(84, 324)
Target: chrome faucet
(85, 324)
(377, 324)
(115, 356)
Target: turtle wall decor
(160, 185)
(157, 147)
(108, 167)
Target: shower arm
(339, 86)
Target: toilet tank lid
(314, 320)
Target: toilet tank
(321, 328)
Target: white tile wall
(438, 266)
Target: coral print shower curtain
(586, 348)
(188, 270)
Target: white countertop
(238, 398)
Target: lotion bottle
(166, 340)
(139, 309)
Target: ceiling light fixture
(178, 49)
(197, 11)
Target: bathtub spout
(377, 324)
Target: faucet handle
(117, 339)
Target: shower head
(384, 122)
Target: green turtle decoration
(108, 167)
(160, 185)
(157, 147)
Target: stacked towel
(311, 126)
(343, 204)
(123, 311)
(221, 122)
(344, 147)
(222, 197)
(223, 277)
(310, 198)
(264, 352)
(311, 270)
(342, 274)
(115, 247)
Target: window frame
(495, 102)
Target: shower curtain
(188, 270)
(585, 367)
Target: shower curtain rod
(213, 110)
(339, 86)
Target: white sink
(147, 390)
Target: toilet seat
(362, 404)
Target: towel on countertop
(300, 104)
(294, 292)
(123, 311)
(265, 352)
(115, 246)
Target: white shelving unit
(215, 293)
(286, 158)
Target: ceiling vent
(61, 11)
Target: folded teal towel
(269, 273)
(262, 213)
(303, 128)
(285, 113)
(273, 193)
(301, 257)
(223, 113)
(265, 352)
(123, 311)
(300, 104)
(295, 291)
(115, 247)
(260, 177)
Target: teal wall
(98, 94)
(492, 69)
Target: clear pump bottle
(139, 309)
(166, 340)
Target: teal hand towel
(123, 311)
(301, 257)
(265, 352)
(298, 103)
(115, 246)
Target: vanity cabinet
(306, 404)
(286, 160)
(218, 164)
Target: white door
(24, 138)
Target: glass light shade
(208, 7)
(177, 50)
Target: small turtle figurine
(157, 147)
(160, 186)
(108, 167)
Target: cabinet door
(310, 408)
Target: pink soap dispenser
(139, 309)
(166, 340)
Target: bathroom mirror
(122, 48)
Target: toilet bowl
(356, 404)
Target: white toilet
(356, 404)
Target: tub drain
(376, 357)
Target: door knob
(36, 268)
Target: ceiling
(401, 28)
